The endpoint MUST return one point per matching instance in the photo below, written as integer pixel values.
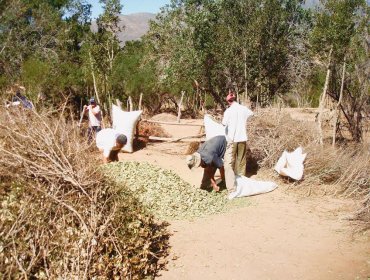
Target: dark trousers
(91, 132)
(208, 173)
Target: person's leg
(98, 128)
(241, 158)
(229, 164)
(90, 134)
(207, 174)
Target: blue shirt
(213, 151)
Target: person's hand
(215, 187)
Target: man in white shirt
(235, 120)
(95, 118)
(110, 142)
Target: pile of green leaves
(165, 193)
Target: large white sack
(247, 187)
(291, 164)
(212, 127)
(125, 123)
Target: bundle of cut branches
(60, 217)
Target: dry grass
(272, 132)
(60, 216)
(345, 168)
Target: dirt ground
(277, 236)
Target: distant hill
(133, 26)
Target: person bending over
(209, 156)
(110, 142)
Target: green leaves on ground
(165, 193)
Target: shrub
(60, 216)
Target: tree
(101, 49)
(222, 44)
(45, 33)
(340, 33)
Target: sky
(131, 6)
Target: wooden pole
(129, 104)
(140, 100)
(322, 100)
(171, 123)
(119, 103)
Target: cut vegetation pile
(60, 217)
(164, 192)
(271, 132)
(344, 169)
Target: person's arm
(96, 111)
(225, 118)
(106, 152)
(85, 109)
(212, 178)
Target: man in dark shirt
(209, 156)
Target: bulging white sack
(212, 127)
(246, 187)
(125, 123)
(291, 164)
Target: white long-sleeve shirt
(94, 115)
(235, 120)
(106, 140)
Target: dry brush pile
(60, 216)
(345, 168)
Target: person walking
(235, 120)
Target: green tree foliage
(48, 34)
(132, 77)
(101, 49)
(221, 44)
(341, 29)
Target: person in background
(20, 99)
(209, 156)
(110, 142)
(235, 120)
(95, 118)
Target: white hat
(193, 160)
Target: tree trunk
(94, 79)
(179, 107)
(140, 100)
(337, 111)
(129, 104)
(322, 100)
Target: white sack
(291, 164)
(125, 123)
(246, 187)
(212, 127)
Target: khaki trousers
(235, 162)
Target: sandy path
(279, 236)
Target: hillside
(133, 26)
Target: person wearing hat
(110, 142)
(95, 118)
(209, 156)
(235, 121)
